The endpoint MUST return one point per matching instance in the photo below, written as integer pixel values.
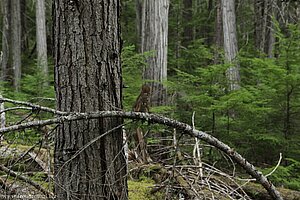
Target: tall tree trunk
(5, 38)
(16, 43)
(230, 43)
(152, 26)
(4, 55)
(41, 39)
(24, 26)
(2, 115)
(187, 17)
(264, 34)
(219, 37)
(87, 79)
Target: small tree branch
(27, 180)
(275, 168)
(34, 106)
(152, 118)
(15, 108)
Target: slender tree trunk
(264, 34)
(270, 42)
(87, 79)
(260, 25)
(24, 26)
(152, 26)
(219, 37)
(2, 115)
(230, 43)
(41, 39)
(187, 17)
(16, 43)
(5, 38)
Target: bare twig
(34, 106)
(39, 161)
(152, 118)
(196, 151)
(27, 180)
(267, 175)
(278, 163)
(89, 144)
(6, 187)
(2, 116)
(15, 108)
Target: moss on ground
(140, 190)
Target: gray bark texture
(264, 33)
(41, 39)
(152, 27)
(230, 43)
(2, 115)
(219, 38)
(16, 42)
(5, 38)
(288, 12)
(87, 79)
(25, 35)
(187, 15)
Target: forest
(150, 99)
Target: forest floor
(149, 181)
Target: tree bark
(219, 37)
(87, 79)
(24, 26)
(230, 43)
(5, 38)
(264, 34)
(41, 39)
(187, 16)
(2, 115)
(16, 43)
(152, 28)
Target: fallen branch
(39, 161)
(27, 180)
(6, 187)
(152, 118)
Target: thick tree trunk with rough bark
(16, 42)
(230, 43)
(5, 38)
(152, 26)
(87, 79)
(41, 39)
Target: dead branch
(6, 187)
(15, 108)
(152, 118)
(39, 161)
(33, 106)
(25, 179)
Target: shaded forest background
(267, 105)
